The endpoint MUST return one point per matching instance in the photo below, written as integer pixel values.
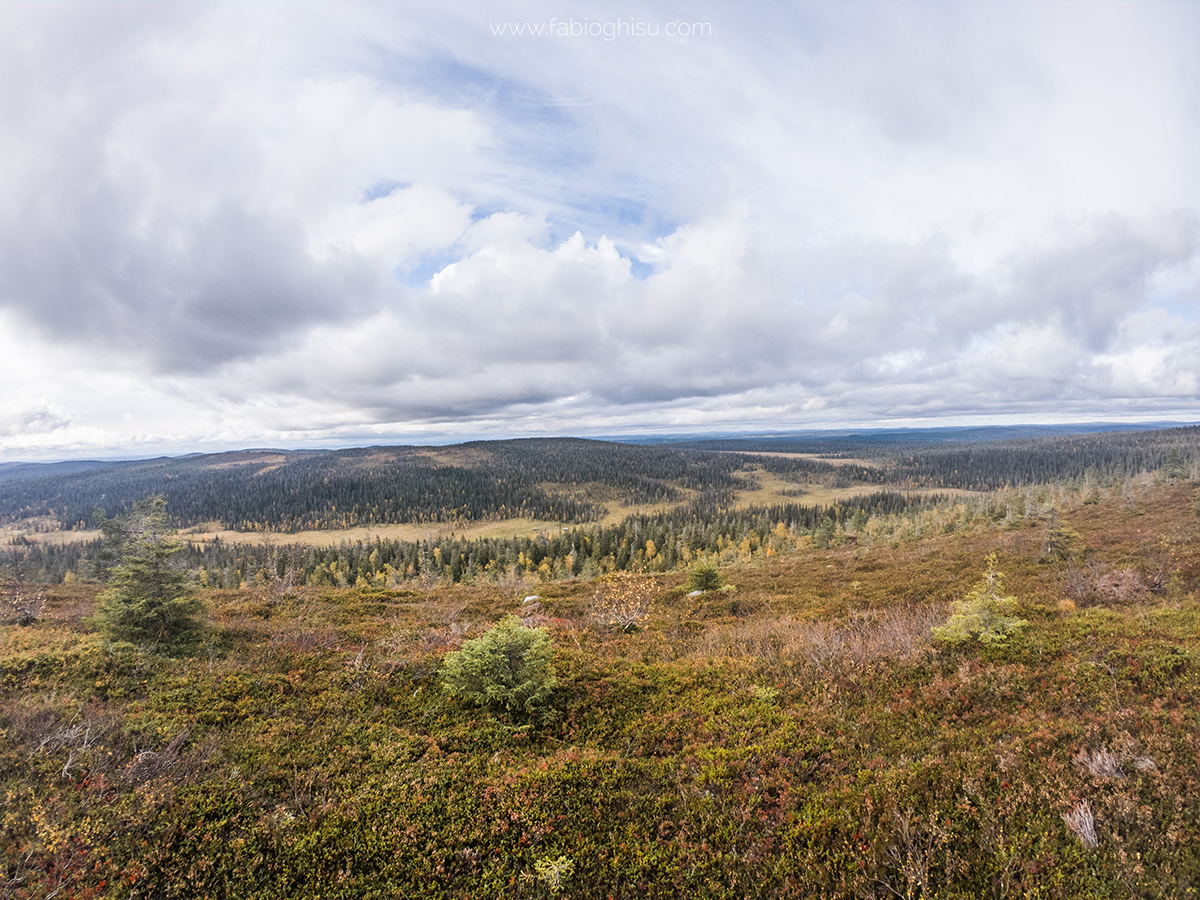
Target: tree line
(656, 542)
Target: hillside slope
(800, 736)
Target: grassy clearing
(832, 460)
(43, 529)
(332, 537)
(773, 489)
(797, 737)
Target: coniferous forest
(545, 479)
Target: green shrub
(704, 576)
(509, 668)
(983, 615)
(554, 872)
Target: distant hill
(571, 480)
(892, 440)
(542, 478)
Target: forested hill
(560, 479)
(554, 479)
(957, 458)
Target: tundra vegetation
(837, 722)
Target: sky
(232, 225)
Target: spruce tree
(147, 601)
(510, 668)
(984, 614)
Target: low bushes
(817, 744)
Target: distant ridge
(931, 434)
(573, 479)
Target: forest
(639, 543)
(906, 689)
(563, 480)
(573, 482)
(288, 491)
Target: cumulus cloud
(173, 202)
(36, 419)
(221, 224)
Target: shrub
(984, 614)
(704, 576)
(622, 601)
(509, 668)
(554, 872)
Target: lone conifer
(147, 600)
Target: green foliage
(510, 668)
(765, 693)
(1175, 466)
(824, 533)
(983, 615)
(704, 576)
(1062, 542)
(815, 746)
(586, 551)
(147, 601)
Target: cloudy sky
(232, 225)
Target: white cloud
(228, 225)
(395, 228)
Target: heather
(801, 732)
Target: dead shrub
(1091, 585)
(1082, 823)
(43, 728)
(441, 612)
(33, 727)
(1121, 586)
(861, 638)
(1079, 583)
(1101, 763)
(150, 764)
(893, 633)
(621, 601)
(1116, 763)
(417, 652)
